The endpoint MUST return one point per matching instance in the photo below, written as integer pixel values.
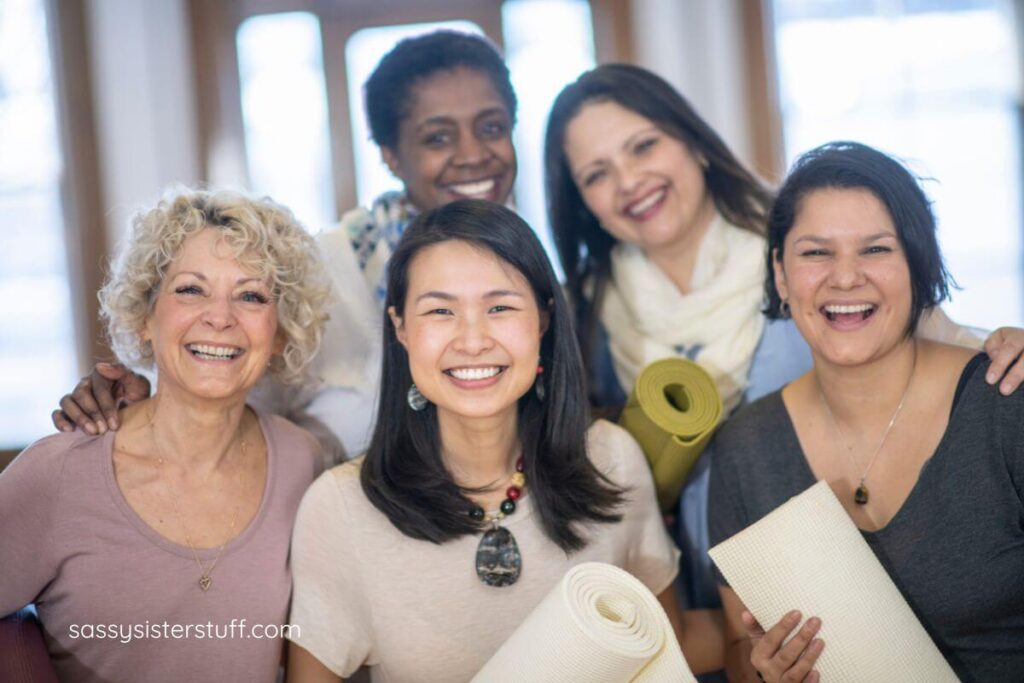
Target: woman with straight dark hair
(660, 231)
(930, 467)
(484, 481)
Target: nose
(219, 313)
(473, 336)
(629, 176)
(847, 272)
(470, 150)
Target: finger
(793, 651)
(1013, 379)
(112, 371)
(61, 421)
(768, 646)
(1001, 356)
(801, 670)
(84, 396)
(103, 380)
(73, 412)
(750, 623)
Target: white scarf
(717, 324)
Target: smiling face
(455, 142)
(472, 330)
(845, 276)
(213, 327)
(643, 185)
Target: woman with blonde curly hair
(143, 549)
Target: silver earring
(415, 399)
(784, 309)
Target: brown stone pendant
(204, 582)
(860, 496)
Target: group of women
(484, 480)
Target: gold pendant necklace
(860, 495)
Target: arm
(94, 403)
(305, 668)
(698, 631)
(753, 654)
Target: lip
(481, 383)
(481, 188)
(848, 320)
(646, 206)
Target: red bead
(519, 464)
(513, 493)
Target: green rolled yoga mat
(672, 412)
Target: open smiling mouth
(480, 189)
(475, 374)
(207, 352)
(849, 313)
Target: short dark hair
(389, 87)
(852, 165)
(403, 474)
(584, 247)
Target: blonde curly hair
(263, 236)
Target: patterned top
(374, 235)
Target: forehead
(458, 93)
(206, 249)
(463, 269)
(600, 128)
(841, 211)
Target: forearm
(702, 639)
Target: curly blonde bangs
(264, 237)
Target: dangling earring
(784, 309)
(415, 399)
(538, 384)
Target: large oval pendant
(860, 496)
(498, 562)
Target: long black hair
(584, 247)
(404, 475)
(851, 166)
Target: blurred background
(105, 102)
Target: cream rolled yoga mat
(600, 624)
(672, 412)
(807, 554)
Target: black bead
(508, 506)
(476, 513)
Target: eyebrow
(445, 296)
(822, 240)
(446, 120)
(200, 276)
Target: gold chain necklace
(860, 496)
(205, 578)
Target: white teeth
(214, 351)
(855, 308)
(474, 373)
(653, 199)
(477, 190)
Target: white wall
(144, 102)
(697, 46)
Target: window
(38, 349)
(933, 82)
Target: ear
(390, 159)
(545, 317)
(399, 325)
(780, 275)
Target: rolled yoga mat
(807, 554)
(600, 624)
(672, 412)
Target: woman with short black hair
(926, 457)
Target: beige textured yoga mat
(672, 412)
(600, 625)
(808, 555)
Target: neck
(869, 393)
(479, 452)
(679, 259)
(196, 435)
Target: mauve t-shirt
(118, 601)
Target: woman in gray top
(897, 425)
